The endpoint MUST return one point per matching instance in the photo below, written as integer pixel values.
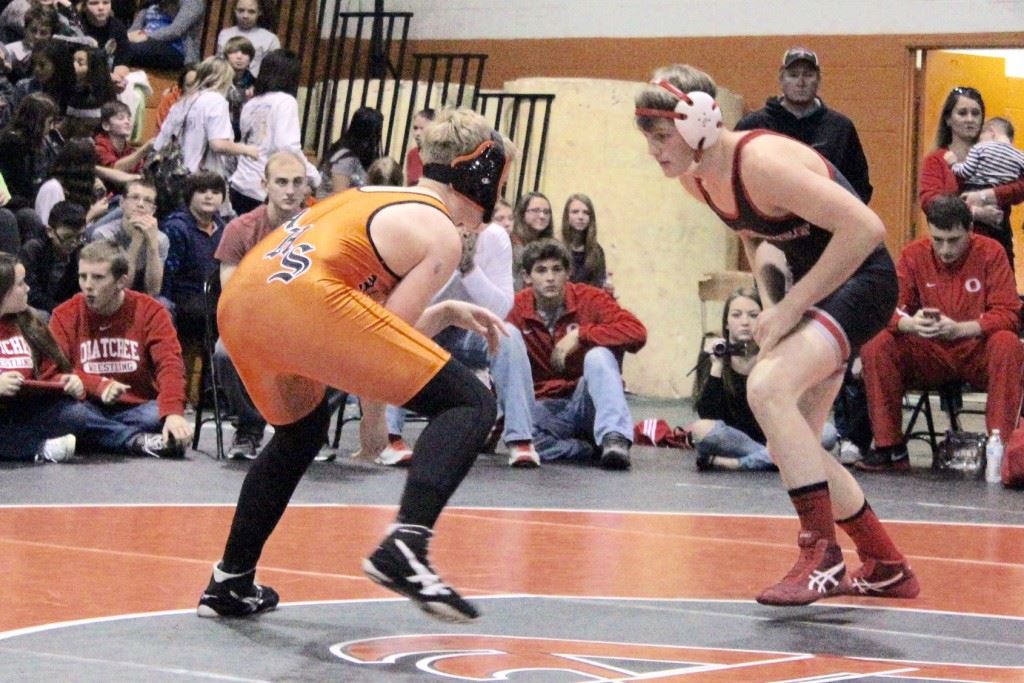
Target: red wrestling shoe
(881, 579)
(819, 573)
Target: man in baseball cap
(801, 114)
(799, 54)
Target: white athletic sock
(220, 576)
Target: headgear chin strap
(477, 176)
(696, 116)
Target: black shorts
(862, 306)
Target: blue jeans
(248, 419)
(728, 442)
(24, 426)
(510, 370)
(571, 428)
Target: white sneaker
(848, 453)
(397, 454)
(523, 455)
(326, 454)
(60, 449)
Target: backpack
(167, 171)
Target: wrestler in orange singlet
(338, 296)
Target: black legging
(462, 412)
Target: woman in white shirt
(201, 121)
(269, 122)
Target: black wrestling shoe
(400, 563)
(238, 596)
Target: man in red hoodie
(575, 337)
(957, 320)
(123, 345)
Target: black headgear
(476, 176)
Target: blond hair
(682, 76)
(455, 132)
(213, 73)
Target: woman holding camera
(727, 434)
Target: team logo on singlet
(294, 261)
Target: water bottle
(994, 458)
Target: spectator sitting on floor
(957, 320)
(727, 435)
(579, 233)
(35, 426)
(51, 262)
(138, 233)
(532, 220)
(575, 336)
(123, 346)
(194, 233)
(286, 189)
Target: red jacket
(601, 322)
(137, 346)
(937, 178)
(979, 286)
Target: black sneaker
(885, 459)
(154, 446)
(238, 596)
(615, 452)
(244, 446)
(400, 564)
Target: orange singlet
(304, 311)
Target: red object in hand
(38, 386)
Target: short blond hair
(455, 132)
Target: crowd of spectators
(101, 237)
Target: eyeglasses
(546, 212)
(145, 201)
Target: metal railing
(359, 59)
(516, 115)
(437, 92)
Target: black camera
(724, 348)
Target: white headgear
(696, 116)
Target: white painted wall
(510, 19)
